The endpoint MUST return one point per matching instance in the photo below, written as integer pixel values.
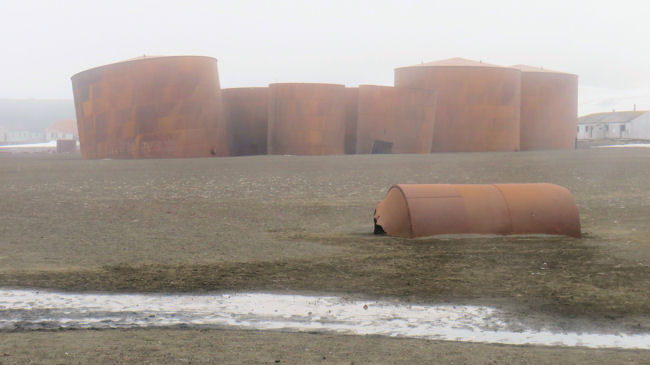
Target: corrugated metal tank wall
(399, 120)
(246, 112)
(420, 210)
(351, 110)
(549, 109)
(151, 107)
(306, 119)
(478, 104)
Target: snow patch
(33, 310)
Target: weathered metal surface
(549, 109)
(478, 103)
(306, 119)
(151, 107)
(395, 120)
(419, 210)
(246, 112)
(66, 145)
(351, 111)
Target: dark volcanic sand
(293, 223)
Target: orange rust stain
(478, 104)
(306, 119)
(152, 107)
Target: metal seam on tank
(408, 209)
(507, 207)
(577, 210)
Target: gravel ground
(185, 346)
(304, 224)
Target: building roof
(63, 126)
(609, 117)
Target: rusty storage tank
(395, 119)
(419, 210)
(478, 103)
(306, 119)
(351, 110)
(246, 112)
(549, 109)
(151, 107)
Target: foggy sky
(607, 43)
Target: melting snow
(31, 309)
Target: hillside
(32, 114)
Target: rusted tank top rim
(245, 88)
(304, 83)
(390, 87)
(373, 85)
(538, 70)
(438, 67)
(140, 59)
(549, 73)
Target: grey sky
(607, 43)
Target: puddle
(33, 310)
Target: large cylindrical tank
(151, 107)
(246, 112)
(351, 110)
(478, 103)
(549, 109)
(419, 210)
(306, 119)
(395, 119)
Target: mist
(346, 42)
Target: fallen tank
(420, 210)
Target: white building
(12, 137)
(640, 127)
(62, 129)
(615, 125)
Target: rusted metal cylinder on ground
(351, 111)
(395, 119)
(151, 107)
(306, 119)
(478, 103)
(549, 109)
(420, 210)
(246, 112)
